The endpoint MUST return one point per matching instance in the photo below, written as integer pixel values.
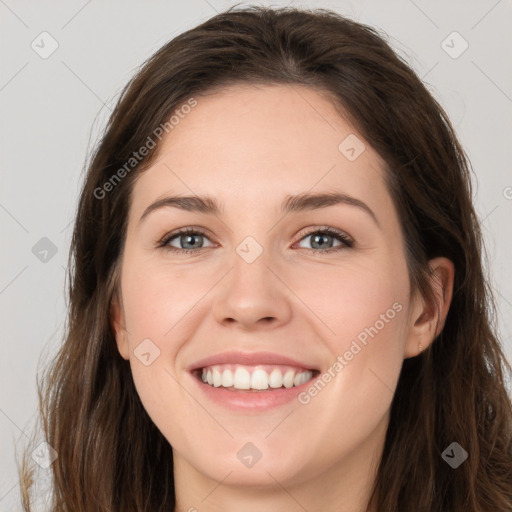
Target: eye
(187, 238)
(322, 240)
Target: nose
(252, 296)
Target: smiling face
(263, 281)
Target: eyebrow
(297, 203)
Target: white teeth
(242, 379)
(276, 379)
(217, 377)
(300, 378)
(239, 377)
(259, 379)
(288, 379)
(227, 378)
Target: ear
(427, 318)
(117, 319)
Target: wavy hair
(111, 457)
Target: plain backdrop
(54, 107)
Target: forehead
(254, 144)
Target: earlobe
(118, 324)
(429, 316)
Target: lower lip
(248, 400)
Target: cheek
(369, 310)
(160, 315)
(360, 300)
(363, 312)
(163, 308)
(366, 310)
(157, 296)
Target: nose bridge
(250, 265)
(251, 292)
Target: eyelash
(339, 235)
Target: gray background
(54, 108)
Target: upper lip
(249, 359)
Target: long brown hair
(111, 457)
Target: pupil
(321, 237)
(188, 239)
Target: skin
(249, 147)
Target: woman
(277, 299)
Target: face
(298, 311)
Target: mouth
(254, 378)
(251, 382)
